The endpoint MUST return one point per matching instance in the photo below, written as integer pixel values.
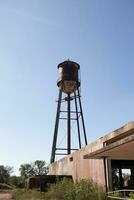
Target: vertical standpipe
(68, 125)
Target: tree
(26, 170)
(115, 178)
(40, 167)
(33, 169)
(5, 172)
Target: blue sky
(35, 36)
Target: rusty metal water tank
(68, 80)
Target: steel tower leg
(78, 110)
(56, 128)
(77, 118)
(82, 118)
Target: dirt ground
(5, 196)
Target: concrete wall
(78, 167)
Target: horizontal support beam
(70, 111)
(65, 149)
(66, 118)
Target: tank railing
(124, 194)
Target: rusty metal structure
(69, 87)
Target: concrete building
(98, 160)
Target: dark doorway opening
(122, 174)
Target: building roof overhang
(121, 149)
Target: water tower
(69, 87)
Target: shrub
(131, 195)
(116, 194)
(17, 182)
(87, 189)
(82, 190)
(4, 186)
(60, 189)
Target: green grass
(64, 190)
(22, 194)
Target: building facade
(99, 160)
